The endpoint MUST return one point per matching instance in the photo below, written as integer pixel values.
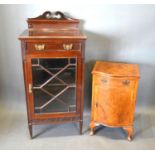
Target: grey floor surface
(14, 133)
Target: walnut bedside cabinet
(114, 92)
(53, 62)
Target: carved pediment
(52, 16)
(52, 20)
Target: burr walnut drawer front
(113, 82)
(53, 46)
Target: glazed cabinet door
(114, 104)
(53, 87)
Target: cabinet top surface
(49, 34)
(116, 69)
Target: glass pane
(54, 85)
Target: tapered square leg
(31, 130)
(81, 125)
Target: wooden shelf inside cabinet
(53, 50)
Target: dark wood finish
(53, 20)
(58, 46)
(114, 95)
(52, 15)
(53, 36)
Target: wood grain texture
(50, 38)
(114, 95)
(114, 69)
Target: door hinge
(30, 88)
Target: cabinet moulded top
(116, 69)
(49, 34)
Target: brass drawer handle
(126, 82)
(39, 47)
(67, 46)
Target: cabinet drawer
(113, 82)
(53, 46)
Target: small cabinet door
(114, 106)
(54, 85)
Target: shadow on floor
(144, 127)
(61, 130)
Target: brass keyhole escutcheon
(30, 88)
(96, 104)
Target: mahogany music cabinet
(53, 62)
(114, 92)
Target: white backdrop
(115, 32)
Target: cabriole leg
(129, 131)
(92, 127)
